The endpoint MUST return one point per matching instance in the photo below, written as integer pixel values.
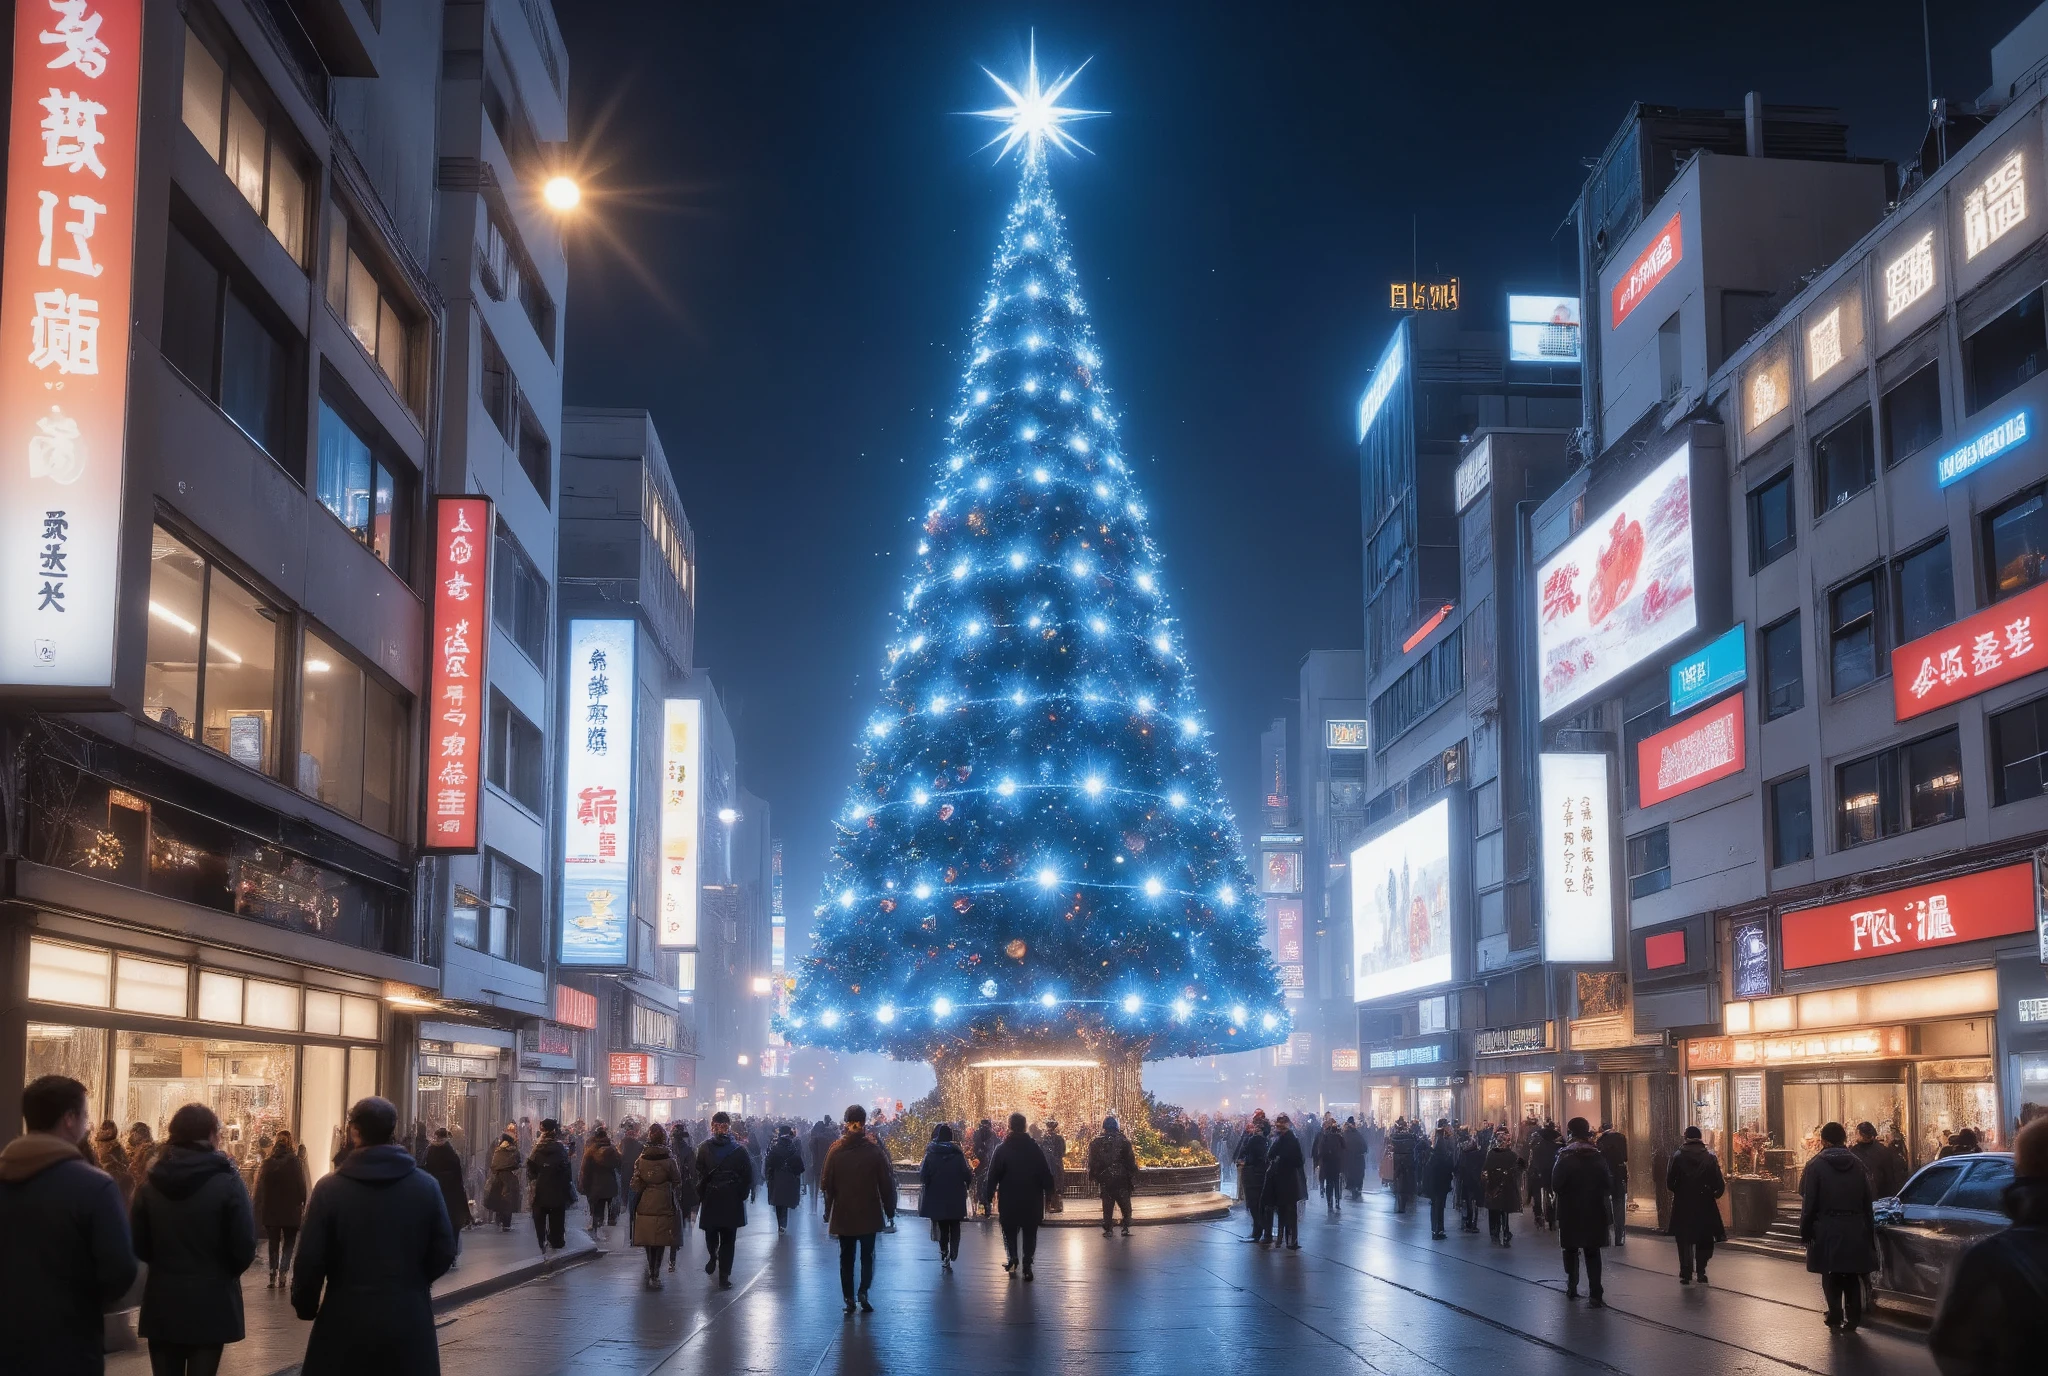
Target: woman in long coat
(657, 1217)
(1836, 1222)
(445, 1165)
(503, 1194)
(1694, 1179)
(1502, 1173)
(944, 1180)
(783, 1169)
(281, 1190)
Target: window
(2016, 543)
(373, 312)
(1983, 1189)
(1670, 359)
(224, 694)
(351, 738)
(1792, 819)
(1919, 784)
(1855, 633)
(1912, 414)
(519, 599)
(1772, 532)
(217, 335)
(1931, 1184)
(518, 756)
(241, 131)
(2019, 753)
(1649, 862)
(508, 272)
(1784, 679)
(364, 488)
(1923, 590)
(490, 922)
(536, 455)
(1843, 463)
(510, 412)
(2005, 353)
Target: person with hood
(1401, 1142)
(656, 1216)
(112, 1157)
(281, 1189)
(1993, 1316)
(784, 1167)
(944, 1179)
(1329, 1157)
(553, 1181)
(1501, 1175)
(1055, 1159)
(859, 1186)
(1469, 1169)
(1544, 1145)
(725, 1181)
(445, 1165)
(1113, 1166)
(1881, 1160)
(1354, 1160)
(142, 1148)
(194, 1229)
(600, 1178)
(1836, 1223)
(66, 1255)
(1286, 1182)
(1250, 1158)
(981, 1148)
(501, 1191)
(1019, 1181)
(1582, 1190)
(1964, 1143)
(1695, 1182)
(1613, 1145)
(375, 1241)
(1439, 1174)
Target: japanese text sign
(597, 818)
(1651, 266)
(682, 795)
(1993, 443)
(1578, 858)
(459, 634)
(63, 384)
(1994, 646)
(1717, 666)
(1695, 752)
(1968, 907)
(1287, 930)
(633, 1068)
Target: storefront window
(80, 1053)
(1536, 1097)
(1493, 1098)
(1955, 1095)
(249, 1084)
(1581, 1100)
(323, 1105)
(1434, 1104)
(69, 974)
(1710, 1113)
(2031, 1072)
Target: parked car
(1945, 1206)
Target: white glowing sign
(1909, 276)
(1992, 210)
(682, 796)
(1401, 906)
(1474, 475)
(1383, 380)
(1770, 391)
(1578, 859)
(597, 823)
(1824, 344)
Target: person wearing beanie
(1113, 1166)
(1582, 1189)
(1695, 1182)
(1993, 1315)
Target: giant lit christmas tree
(1037, 858)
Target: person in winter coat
(1055, 1155)
(445, 1165)
(1583, 1190)
(1286, 1182)
(1019, 1181)
(65, 1255)
(1439, 1173)
(1251, 1175)
(142, 1148)
(1613, 1145)
(375, 1241)
(1881, 1160)
(657, 1218)
(725, 1181)
(501, 1191)
(1113, 1166)
(553, 1180)
(194, 1229)
(281, 1189)
(1470, 1171)
(944, 1179)
(112, 1158)
(600, 1179)
(784, 1167)
(859, 1186)
(1502, 1188)
(1329, 1155)
(1836, 1223)
(1993, 1315)
(1354, 1160)
(1401, 1142)
(1962, 1144)
(1694, 1180)
(1544, 1145)
(981, 1149)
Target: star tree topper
(1034, 117)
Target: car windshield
(1984, 1187)
(1930, 1185)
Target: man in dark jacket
(1018, 1182)
(1544, 1145)
(1694, 1179)
(1401, 1142)
(1613, 1146)
(194, 1229)
(1993, 1317)
(1881, 1161)
(376, 1239)
(859, 1186)
(1584, 1190)
(1503, 1176)
(1251, 1175)
(1354, 1159)
(1286, 1182)
(444, 1163)
(1470, 1169)
(1439, 1174)
(1055, 1155)
(1836, 1223)
(784, 1168)
(553, 1179)
(65, 1255)
(981, 1149)
(1113, 1166)
(600, 1180)
(725, 1182)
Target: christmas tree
(1037, 848)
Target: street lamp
(561, 193)
(728, 815)
(761, 984)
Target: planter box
(1752, 1205)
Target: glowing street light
(561, 193)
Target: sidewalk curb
(456, 1296)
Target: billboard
(1401, 906)
(1992, 443)
(1717, 666)
(597, 821)
(457, 640)
(1652, 265)
(1383, 379)
(1578, 858)
(1474, 474)
(1692, 754)
(66, 302)
(1980, 652)
(1543, 329)
(682, 767)
(1949, 912)
(1619, 591)
(1350, 734)
(1280, 871)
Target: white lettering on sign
(1996, 207)
(1695, 754)
(1927, 920)
(1909, 276)
(1824, 344)
(1987, 653)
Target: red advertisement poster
(633, 1068)
(1697, 751)
(1968, 907)
(459, 632)
(1995, 646)
(1649, 268)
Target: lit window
(369, 307)
(248, 141)
(359, 1018)
(272, 1005)
(323, 1013)
(225, 696)
(220, 997)
(68, 974)
(149, 986)
(365, 488)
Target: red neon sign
(1422, 631)
(1969, 907)
(459, 632)
(1997, 645)
(574, 1008)
(1649, 268)
(633, 1068)
(1694, 753)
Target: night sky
(788, 229)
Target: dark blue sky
(812, 229)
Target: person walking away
(1401, 1142)
(784, 1167)
(1018, 1183)
(630, 1144)
(142, 1149)
(1694, 1180)
(64, 1248)
(1055, 1161)
(1544, 1145)
(1354, 1160)
(655, 1220)
(944, 1178)
(1113, 1166)
(501, 1190)
(600, 1179)
(1286, 1182)
(1836, 1223)
(375, 1241)
(444, 1163)
(1502, 1185)
(1251, 1178)
(1881, 1161)
(1470, 1168)
(553, 1181)
(859, 1186)
(1613, 1145)
(1439, 1174)
(981, 1147)
(725, 1181)
(1582, 1193)
(1993, 1316)
(1329, 1152)
(112, 1157)
(194, 1229)
(281, 1190)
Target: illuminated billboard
(1578, 858)
(597, 821)
(1620, 591)
(1401, 906)
(682, 796)
(1543, 329)
(457, 639)
(1384, 376)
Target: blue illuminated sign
(1711, 670)
(1960, 463)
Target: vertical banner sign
(682, 798)
(63, 388)
(597, 821)
(458, 638)
(1578, 859)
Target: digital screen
(1401, 906)
(682, 789)
(1543, 329)
(1578, 858)
(597, 823)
